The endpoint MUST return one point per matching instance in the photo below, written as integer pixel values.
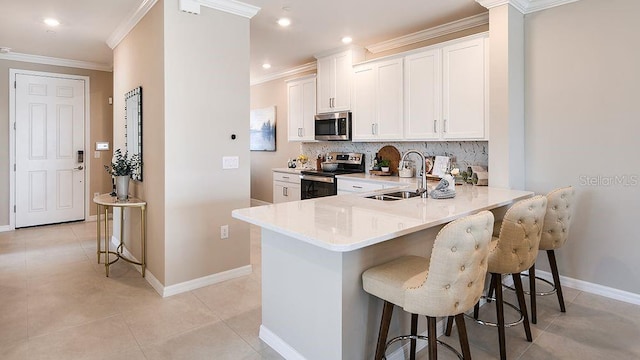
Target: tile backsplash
(466, 152)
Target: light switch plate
(230, 162)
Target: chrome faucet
(422, 188)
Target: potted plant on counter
(384, 165)
(121, 168)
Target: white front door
(49, 131)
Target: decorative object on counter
(407, 169)
(122, 168)
(392, 154)
(302, 159)
(480, 178)
(262, 129)
(384, 165)
(441, 165)
(457, 176)
(291, 164)
(319, 162)
(443, 190)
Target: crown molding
(230, 6)
(46, 60)
(128, 24)
(290, 72)
(525, 6)
(427, 34)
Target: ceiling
(316, 26)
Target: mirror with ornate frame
(133, 126)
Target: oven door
(313, 186)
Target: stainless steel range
(317, 184)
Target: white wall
(206, 100)
(582, 124)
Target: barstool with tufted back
(447, 284)
(554, 234)
(513, 251)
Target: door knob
(79, 168)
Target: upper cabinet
(435, 94)
(301, 94)
(378, 101)
(334, 80)
(463, 90)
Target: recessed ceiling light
(347, 40)
(284, 22)
(51, 22)
(266, 66)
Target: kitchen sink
(392, 196)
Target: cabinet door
(351, 186)
(342, 94)
(326, 84)
(423, 95)
(301, 109)
(464, 90)
(389, 106)
(284, 192)
(364, 106)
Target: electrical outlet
(224, 231)
(230, 162)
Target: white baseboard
(165, 291)
(91, 218)
(279, 345)
(206, 280)
(289, 353)
(591, 288)
(256, 202)
(4, 228)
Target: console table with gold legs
(106, 201)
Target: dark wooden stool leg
(462, 334)
(490, 291)
(414, 331)
(556, 278)
(476, 310)
(387, 310)
(496, 279)
(449, 326)
(517, 281)
(433, 337)
(532, 293)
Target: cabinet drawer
(286, 177)
(357, 186)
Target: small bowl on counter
(329, 166)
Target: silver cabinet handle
(284, 191)
(435, 125)
(373, 129)
(285, 177)
(444, 130)
(356, 187)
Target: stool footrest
(420, 337)
(539, 293)
(488, 323)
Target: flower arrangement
(302, 158)
(123, 165)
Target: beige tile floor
(56, 303)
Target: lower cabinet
(354, 186)
(286, 187)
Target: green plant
(123, 165)
(384, 163)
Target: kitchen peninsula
(314, 252)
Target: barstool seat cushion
(390, 280)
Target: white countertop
(288, 170)
(387, 180)
(349, 222)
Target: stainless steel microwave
(333, 126)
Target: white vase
(122, 187)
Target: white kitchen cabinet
(423, 95)
(334, 80)
(464, 103)
(348, 186)
(378, 101)
(286, 187)
(301, 94)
